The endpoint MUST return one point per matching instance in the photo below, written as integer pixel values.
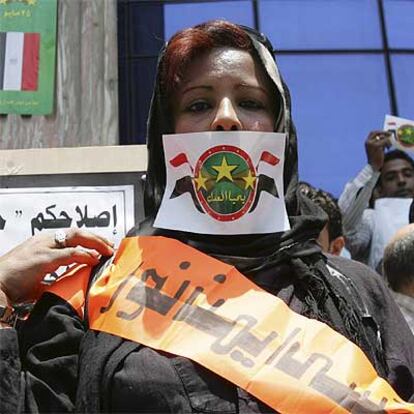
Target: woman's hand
(23, 268)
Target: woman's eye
(251, 104)
(198, 106)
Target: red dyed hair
(187, 44)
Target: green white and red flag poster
(27, 56)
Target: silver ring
(60, 239)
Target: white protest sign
(104, 210)
(390, 214)
(402, 132)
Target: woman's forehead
(225, 63)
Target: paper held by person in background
(390, 215)
(403, 132)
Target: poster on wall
(27, 56)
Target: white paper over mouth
(227, 182)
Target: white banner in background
(104, 210)
(390, 214)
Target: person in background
(331, 237)
(398, 268)
(387, 174)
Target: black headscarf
(304, 227)
(294, 251)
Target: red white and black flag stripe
(19, 61)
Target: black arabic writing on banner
(234, 337)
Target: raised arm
(354, 200)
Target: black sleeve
(396, 337)
(9, 371)
(397, 340)
(43, 378)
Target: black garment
(43, 378)
(117, 375)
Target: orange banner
(72, 287)
(166, 295)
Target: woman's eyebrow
(250, 86)
(192, 88)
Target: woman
(213, 77)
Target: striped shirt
(357, 218)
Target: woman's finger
(70, 255)
(76, 237)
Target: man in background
(398, 268)
(387, 175)
(330, 238)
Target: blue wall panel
(179, 16)
(403, 69)
(399, 16)
(147, 29)
(143, 85)
(321, 24)
(337, 100)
